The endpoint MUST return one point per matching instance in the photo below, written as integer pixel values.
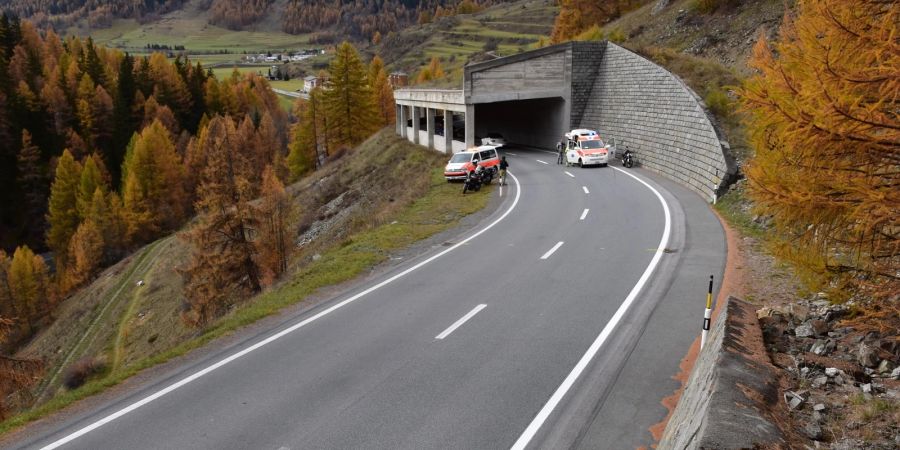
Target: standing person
(560, 151)
(503, 166)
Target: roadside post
(707, 314)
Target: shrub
(718, 102)
(76, 374)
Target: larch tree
(823, 121)
(86, 250)
(273, 242)
(222, 268)
(28, 285)
(576, 16)
(348, 101)
(92, 178)
(16, 374)
(383, 94)
(62, 215)
(309, 137)
(154, 193)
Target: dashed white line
(512, 154)
(586, 191)
(550, 252)
(542, 162)
(461, 321)
(584, 214)
(191, 378)
(563, 388)
(570, 174)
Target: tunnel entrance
(534, 122)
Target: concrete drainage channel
(732, 387)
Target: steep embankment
(361, 208)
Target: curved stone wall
(659, 118)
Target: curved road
(465, 347)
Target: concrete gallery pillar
(398, 119)
(402, 121)
(448, 132)
(429, 126)
(470, 126)
(415, 123)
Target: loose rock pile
(844, 385)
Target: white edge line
(461, 321)
(570, 174)
(542, 162)
(586, 191)
(550, 252)
(279, 335)
(557, 396)
(512, 154)
(584, 214)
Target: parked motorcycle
(628, 159)
(473, 181)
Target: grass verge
(440, 209)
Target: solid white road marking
(461, 321)
(550, 252)
(586, 191)
(557, 396)
(584, 214)
(513, 154)
(81, 432)
(569, 174)
(542, 162)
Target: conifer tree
(92, 178)
(86, 250)
(154, 193)
(62, 215)
(824, 123)
(7, 306)
(223, 267)
(276, 214)
(348, 101)
(305, 140)
(28, 285)
(383, 94)
(33, 183)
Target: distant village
(283, 57)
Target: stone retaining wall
(659, 118)
(732, 387)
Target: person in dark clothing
(503, 166)
(560, 151)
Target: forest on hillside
(359, 19)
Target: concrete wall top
(542, 73)
(449, 99)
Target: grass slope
(370, 216)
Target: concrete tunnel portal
(533, 98)
(535, 122)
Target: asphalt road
(478, 345)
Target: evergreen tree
(124, 121)
(32, 182)
(348, 101)
(62, 215)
